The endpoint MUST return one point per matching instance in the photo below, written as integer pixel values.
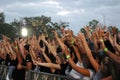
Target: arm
(52, 50)
(47, 59)
(88, 52)
(113, 56)
(95, 42)
(116, 45)
(50, 65)
(59, 40)
(83, 71)
(107, 78)
(79, 45)
(77, 53)
(21, 47)
(110, 54)
(45, 56)
(32, 54)
(28, 67)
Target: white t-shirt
(74, 74)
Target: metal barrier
(3, 72)
(33, 75)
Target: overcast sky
(77, 12)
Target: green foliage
(5, 28)
(83, 30)
(8, 30)
(38, 25)
(2, 17)
(57, 26)
(35, 25)
(93, 24)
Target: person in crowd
(93, 55)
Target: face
(68, 37)
(39, 60)
(58, 61)
(25, 52)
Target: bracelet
(105, 49)
(91, 30)
(68, 56)
(15, 47)
(104, 39)
(73, 41)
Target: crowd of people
(93, 55)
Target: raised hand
(35, 63)
(88, 52)
(114, 30)
(55, 33)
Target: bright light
(24, 32)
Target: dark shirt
(29, 59)
(45, 69)
(18, 74)
(63, 68)
(13, 62)
(7, 60)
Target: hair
(41, 57)
(27, 46)
(41, 44)
(106, 70)
(62, 57)
(59, 49)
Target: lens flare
(24, 32)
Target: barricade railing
(3, 72)
(33, 75)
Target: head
(62, 58)
(105, 67)
(26, 48)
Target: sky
(77, 12)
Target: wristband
(91, 30)
(73, 41)
(105, 49)
(68, 56)
(15, 47)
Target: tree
(17, 24)
(37, 25)
(83, 30)
(93, 24)
(2, 17)
(8, 30)
(56, 26)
